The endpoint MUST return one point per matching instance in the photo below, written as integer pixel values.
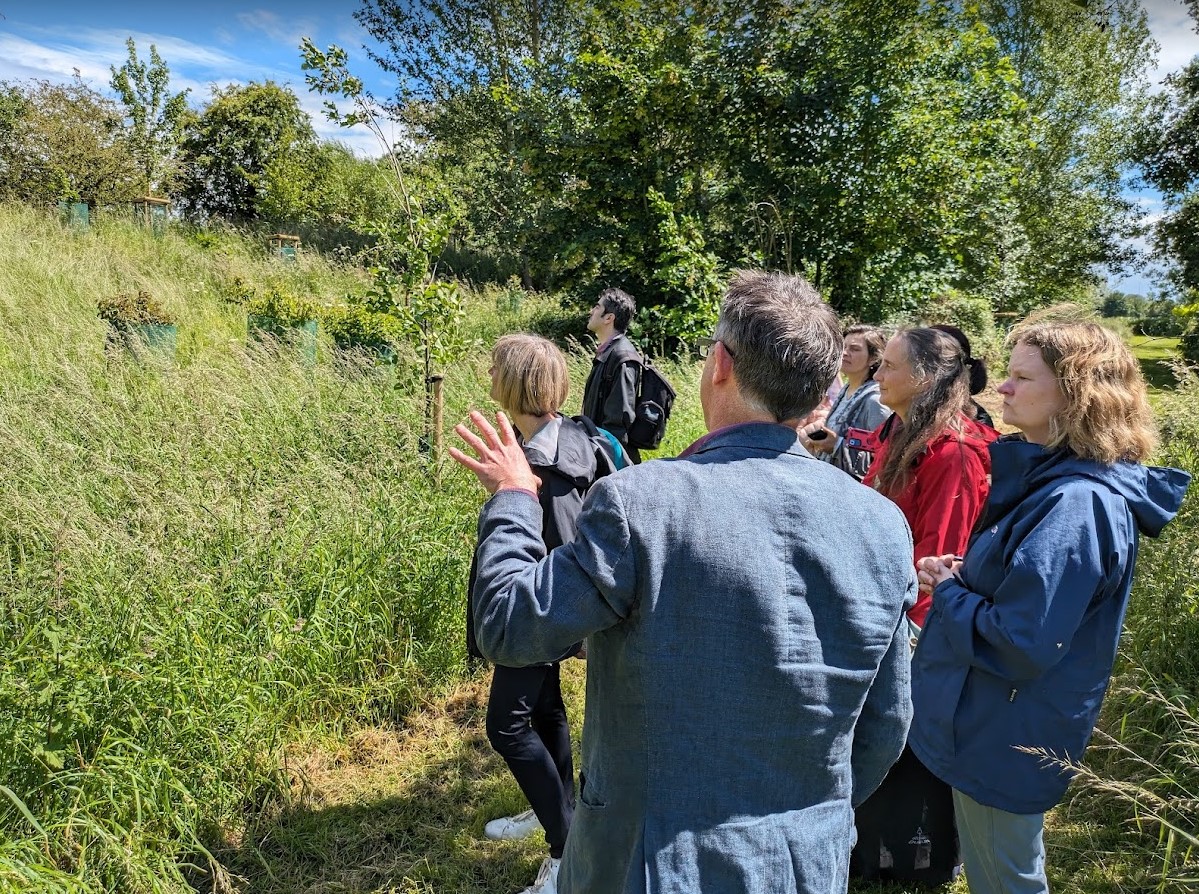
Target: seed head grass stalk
(1141, 775)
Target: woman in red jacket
(931, 458)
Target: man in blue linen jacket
(747, 677)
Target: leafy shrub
(434, 319)
(1160, 325)
(1190, 346)
(237, 291)
(205, 239)
(972, 314)
(122, 310)
(683, 272)
(283, 306)
(352, 325)
(564, 324)
(670, 330)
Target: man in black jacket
(610, 395)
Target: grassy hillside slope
(198, 556)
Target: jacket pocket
(938, 692)
(588, 797)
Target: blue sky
(205, 44)
(220, 43)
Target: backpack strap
(623, 352)
(606, 443)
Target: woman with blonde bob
(526, 719)
(1016, 653)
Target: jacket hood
(574, 457)
(1018, 468)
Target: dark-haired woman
(930, 458)
(978, 373)
(857, 405)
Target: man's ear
(722, 363)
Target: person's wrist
(519, 482)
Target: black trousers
(527, 726)
(906, 829)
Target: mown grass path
(402, 812)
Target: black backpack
(655, 398)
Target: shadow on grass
(404, 814)
(1155, 355)
(399, 826)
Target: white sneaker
(547, 878)
(512, 828)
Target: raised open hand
(501, 463)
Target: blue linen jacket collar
(768, 437)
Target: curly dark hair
(620, 304)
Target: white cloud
(55, 55)
(358, 138)
(22, 59)
(1174, 30)
(275, 27)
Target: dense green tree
(1122, 304)
(1081, 69)
(881, 143)
(623, 152)
(325, 194)
(886, 149)
(155, 116)
(63, 141)
(870, 146)
(466, 70)
(1170, 158)
(443, 49)
(230, 146)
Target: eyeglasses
(703, 347)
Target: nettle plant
(125, 309)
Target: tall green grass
(1143, 771)
(200, 558)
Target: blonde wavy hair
(530, 374)
(1107, 416)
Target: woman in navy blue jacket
(1016, 653)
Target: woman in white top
(857, 406)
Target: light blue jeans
(1004, 852)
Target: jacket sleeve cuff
(957, 606)
(514, 490)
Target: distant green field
(1156, 353)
